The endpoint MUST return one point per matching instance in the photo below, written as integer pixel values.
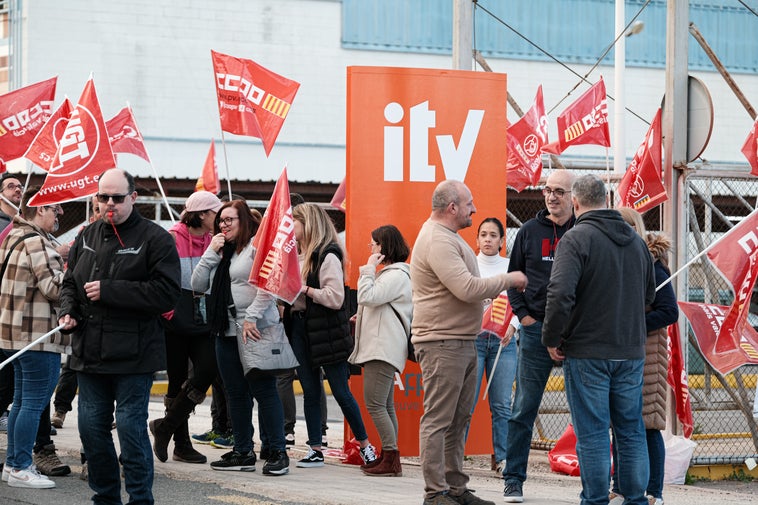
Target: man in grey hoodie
(602, 279)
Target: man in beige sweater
(447, 315)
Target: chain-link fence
(724, 427)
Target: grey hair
(589, 190)
(445, 193)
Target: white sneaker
(6, 473)
(29, 478)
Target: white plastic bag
(678, 455)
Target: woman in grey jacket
(382, 325)
(236, 309)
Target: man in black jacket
(533, 253)
(602, 280)
(123, 273)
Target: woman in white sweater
(382, 325)
(490, 239)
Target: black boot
(177, 412)
(183, 450)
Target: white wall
(156, 55)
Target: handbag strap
(407, 332)
(10, 250)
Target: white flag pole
(492, 373)
(29, 346)
(226, 164)
(704, 251)
(152, 167)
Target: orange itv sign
(408, 129)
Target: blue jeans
(499, 393)
(602, 393)
(131, 395)
(656, 454)
(240, 392)
(35, 374)
(532, 372)
(310, 379)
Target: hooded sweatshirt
(602, 279)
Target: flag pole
(226, 164)
(152, 167)
(701, 253)
(492, 373)
(30, 345)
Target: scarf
(221, 294)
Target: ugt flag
(641, 188)
(525, 140)
(124, 135)
(84, 152)
(497, 316)
(276, 268)
(22, 114)
(586, 120)
(208, 180)
(750, 149)
(252, 100)
(45, 144)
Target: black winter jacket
(602, 279)
(139, 281)
(327, 330)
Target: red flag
(677, 379)
(23, 112)
(252, 100)
(586, 120)
(44, 145)
(641, 188)
(498, 316)
(276, 268)
(525, 140)
(750, 149)
(339, 199)
(552, 148)
(124, 135)
(208, 180)
(84, 152)
(707, 322)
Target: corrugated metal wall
(574, 31)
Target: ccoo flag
(276, 268)
(22, 114)
(84, 152)
(252, 100)
(586, 120)
(641, 188)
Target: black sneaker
(513, 493)
(313, 459)
(234, 461)
(278, 463)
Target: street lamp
(619, 130)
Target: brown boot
(388, 467)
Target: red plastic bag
(563, 457)
(352, 453)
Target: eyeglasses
(227, 221)
(57, 209)
(103, 198)
(13, 187)
(560, 193)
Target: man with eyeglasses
(532, 253)
(123, 273)
(11, 190)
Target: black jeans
(180, 351)
(66, 390)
